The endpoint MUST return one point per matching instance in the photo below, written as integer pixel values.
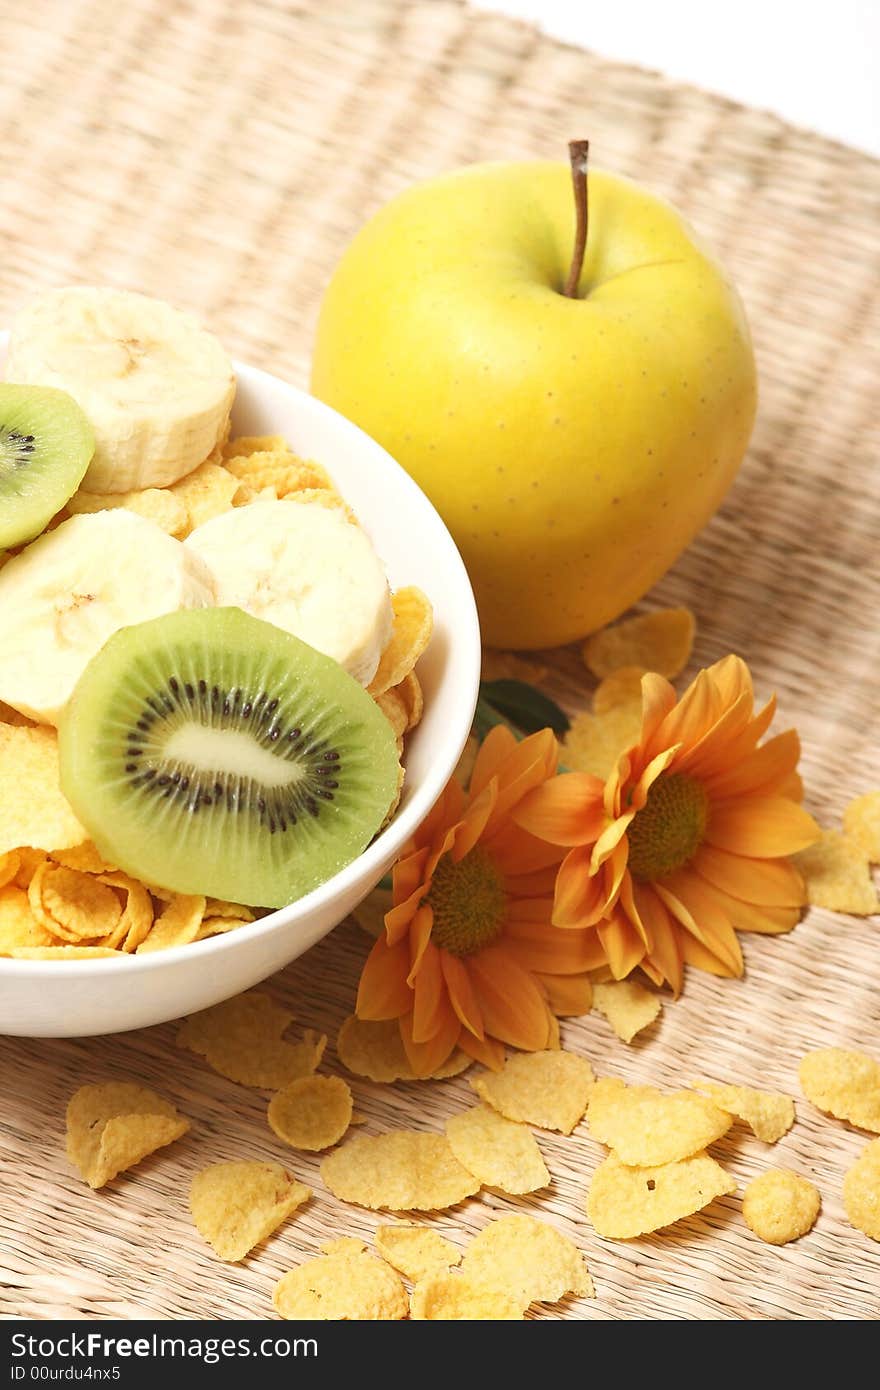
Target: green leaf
(523, 706)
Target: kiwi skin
(46, 445)
(225, 831)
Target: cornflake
(594, 742)
(861, 822)
(550, 1089)
(312, 1112)
(838, 876)
(113, 1125)
(237, 1205)
(376, 1051)
(177, 925)
(406, 1170)
(647, 1128)
(626, 1202)
(843, 1084)
(780, 1206)
(861, 1191)
(33, 811)
(767, 1114)
(242, 1040)
(627, 1005)
(528, 1260)
(345, 1287)
(499, 1152)
(454, 1298)
(659, 641)
(416, 1251)
(410, 635)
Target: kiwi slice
(46, 445)
(211, 752)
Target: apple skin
(574, 447)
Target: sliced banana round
(307, 569)
(67, 592)
(156, 387)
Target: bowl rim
(390, 841)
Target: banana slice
(67, 592)
(157, 388)
(307, 569)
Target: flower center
(468, 902)
(669, 829)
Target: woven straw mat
(220, 155)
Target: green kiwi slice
(210, 752)
(46, 445)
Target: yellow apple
(573, 445)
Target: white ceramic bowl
(79, 998)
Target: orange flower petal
(694, 714)
(419, 936)
(540, 884)
(426, 1057)
(770, 921)
(639, 793)
(559, 951)
(383, 991)
(609, 840)
(527, 768)
(665, 953)
(569, 996)
(461, 994)
(696, 954)
(515, 851)
(767, 827)
(658, 699)
(761, 771)
(580, 900)
(628, 906)
(715, 741)
(774, 882)
(743, 745)
(474, 821)
(496, 746)
(566, 811)
(534, 910)
(624, 947)
(486, 1050)
(695, 905)
(430, 995)
(512, 1006)
(409, 874)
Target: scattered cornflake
(647, 1128)
(376, 1051)
(72, 906)
(19, 929)
(236, 1205)
(500, 1153)
(86, 858)
(621, 687)
(158, 505)
(406, 1170)
(416, 1251)
(838, 875)
(659, 641)
(780, 1206)
(410, 635)
(861, 1191)
(550, 1089)
(242, 1040)
(312, 1112)
(342, 1245)
(843, 1084)
(861, 822)
(113, 1125)
(527, 1259)
(177, 925)
(627, 1005)
(595, 742)
(768, 1114)
(346, 1287)
(626, 1202)
(205, 493)
(32, 810)
(453, 1298)
(510, 666)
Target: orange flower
(686, 842)
(470, 958)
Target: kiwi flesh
(210, 752)
(46, 445)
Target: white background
(815, 63)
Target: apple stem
(578, 153)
